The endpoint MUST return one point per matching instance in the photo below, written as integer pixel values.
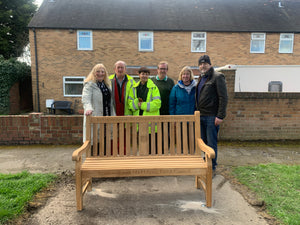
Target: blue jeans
(209, 134)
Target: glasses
(162, 68)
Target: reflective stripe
(148, 106)
(157, 97)
(130, 98)
(134, 106)
(133, 89)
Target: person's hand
(140, 104)
(218, 121)
(88, 112)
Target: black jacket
(213, 96)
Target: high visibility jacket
(152, 104)
(128, 86)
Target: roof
(170, 15)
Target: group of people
(118, 94)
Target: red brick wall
(37, 128)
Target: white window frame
(90, 36)
(65, 81)
(146, 35)
(193, 39)
(284, 38)
(258, 37)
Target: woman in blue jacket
(182, 96)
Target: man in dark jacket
(211, 101)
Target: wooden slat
(128, 138)
(102, 139)
(197, 131)
(88, 133)
(108, 139)
(184, 138)
(172, 138)
(178, 138)
(139, 119)
(159, 138)
(166, 138)
(191, 138)
(134, 139)
(95, 139)
(115, 139)
(143, 139)
(153, 139)
(121, 139)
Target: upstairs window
(84, 40)
(198, 42)
(258, 43)
(286, 43)
(145, 41)
(73, 86)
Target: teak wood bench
(138, 146)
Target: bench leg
(209, 188)
(197, 182)
(79, 194)
(90, 185)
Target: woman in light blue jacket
(182, 96)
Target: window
(145, 41)
(286, 43)
(198, 42)
(258, 43)
(73, 86)
(84, 40)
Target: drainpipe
(36, 71)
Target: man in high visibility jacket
(121, 84)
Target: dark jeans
(209, 134)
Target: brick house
(68, 37)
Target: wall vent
(275, 86)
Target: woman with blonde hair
(182, 96)
(97, 95)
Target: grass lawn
(277, 185)
(16, 190)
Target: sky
(38, 2)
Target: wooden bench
(118, 146)
(62, 105)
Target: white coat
(92, 99)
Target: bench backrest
(123, 136)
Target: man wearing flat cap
(211, 101)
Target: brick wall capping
(266, 95)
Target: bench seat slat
(142, 163)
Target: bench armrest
(205, 148)
(78, 152)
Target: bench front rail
(132, 146)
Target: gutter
(36, 71)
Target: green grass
(278, 185)
(16, 190)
